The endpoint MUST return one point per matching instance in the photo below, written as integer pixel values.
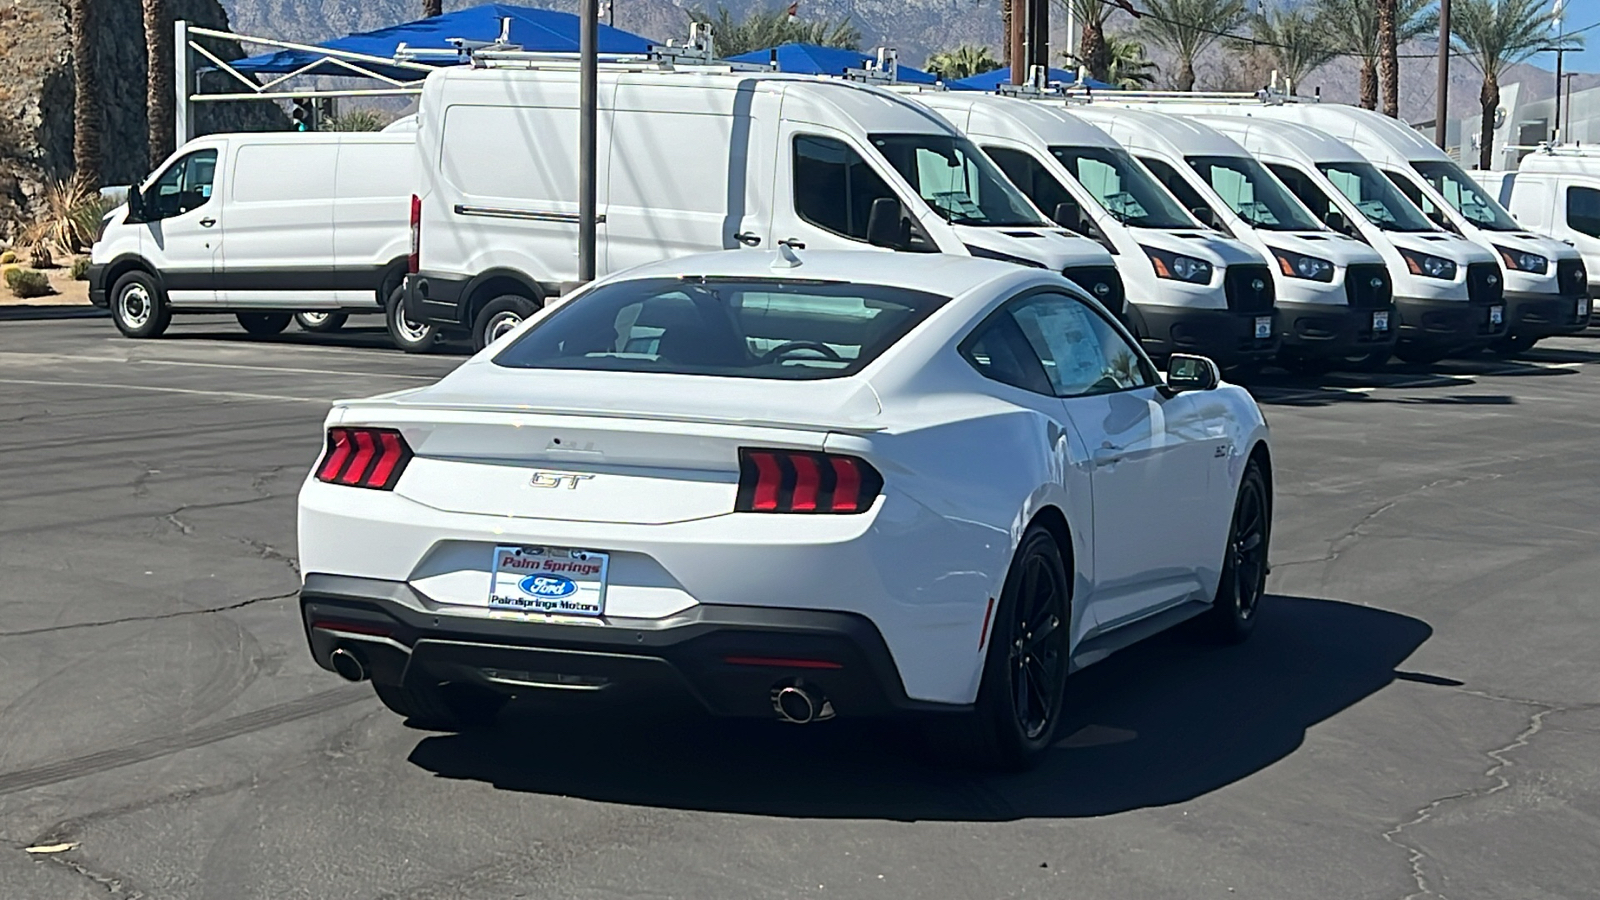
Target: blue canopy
(988, 81)
(811, 59)
(539, 30)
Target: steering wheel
(783, 349)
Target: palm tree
(87, 113)
(1129, 68)
(431, 8)
(1185, 28)
(1352, 25)
(1294, 39)
(762, 29)
(158, 97)
(1092, 52)
(1494, 35)
(1005, 31)
(964, 61)
(1389, 57)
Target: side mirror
(1191, 373)
(1207, 217)
(1336, 220)
(883, 224)
(1067, 214)
(136, 212)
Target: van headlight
(1428, 266)
(1177, 267)
(1298, 265)
(1521, 261)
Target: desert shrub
(40, 257)
(80, 268)
(362, 118)
(27, 282)
(7, 258)
(71, 215)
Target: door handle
(748, 238)
(1108, 454)
(208, 222)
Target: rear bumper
(1449, 323)
(1224, 335)
(730, 658)
(1325, 330)
(435, 300)
(99, 291)
(1543, 315)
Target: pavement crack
(154, 617)
(1342, 542)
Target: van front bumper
(1323, 330)
(1226, 336)
(1452, 324)
(1536, 315)
(99, 291)
(434, 300)
(730, 658)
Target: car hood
(1336, 248)
(1051, 248)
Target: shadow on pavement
(24, 312)
(1162, 722)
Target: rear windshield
(785, 329)
(1253, 194)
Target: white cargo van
(1545, 283)
(693, 159)
(263, 226)
(1433, 271)
(1333, 293)
(1556, 192)
(1188, 287)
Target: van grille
(1368, 287)
(1103, 283)
(1484, 284)
(1244, 295)
(1572, 278)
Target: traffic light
(324, 110)
(303, 113)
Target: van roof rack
(883, 68)
(1268, 96)
(697, 53)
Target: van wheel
(264, 324)
(1514, 345)
(499, 316)
(320, 322)
(412, 337)
(1421, 355)
(138, 307)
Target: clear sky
(1579, 14)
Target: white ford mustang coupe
(795, 485)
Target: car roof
(1041, 122)
(1283, 138)
(1175, 135)
(944, 274)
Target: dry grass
(70, 218)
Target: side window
(1414, 194)
(1033, 179)
(184, 186)
(1186, 194)
(1583, 210)
(834, 187)
(1058, 338)
(1309, 193)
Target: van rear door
(279, 249)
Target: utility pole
(1556, 11)
(1020, 10)
(1441, 109)
(1039, 33)
(588, 116)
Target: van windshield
(956, 179)
(1375, 196)
(1253, 194)
(1123, 187)
(742, 328)
(1465, 196)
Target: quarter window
(184, 186)
(1078, 350)
(1583, 210)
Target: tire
(499, 316)
(138, 307)
(406, 334)
(321, 322)
(1025, 661)
(1514, 345)
(1244, 564)
(1425, 356)
(443, 707)
(264, 324)
(1369, 362)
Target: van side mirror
(1067, 214)
(1336, 220)
(1186, 372)
(1207, 217)
(136, 211)
(883, 224)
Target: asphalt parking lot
(1418, 714)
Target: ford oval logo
(1258, 285)
(546, 585)
(1102, 289)
(1376, 283)
(1493, 279)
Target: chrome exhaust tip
(800, 705)
(348, 665)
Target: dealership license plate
(552, 580)
(1497, 314)
(1380, 321)
(1583, 307)
(1263, 328)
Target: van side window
(1309, 193)
(1185, 192)
(1583, 210)
(184, 186)
(1042, 188)
(1415, 195)
(834, 187)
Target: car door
(183, 229)
(1151, 458)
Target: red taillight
(364, 457)
(414, 261)
(790, 481)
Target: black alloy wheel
(1244, 564)
(1036, 654)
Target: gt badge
(557, 479)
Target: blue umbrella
(812, 59)
(536, 30)
(988, 81)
